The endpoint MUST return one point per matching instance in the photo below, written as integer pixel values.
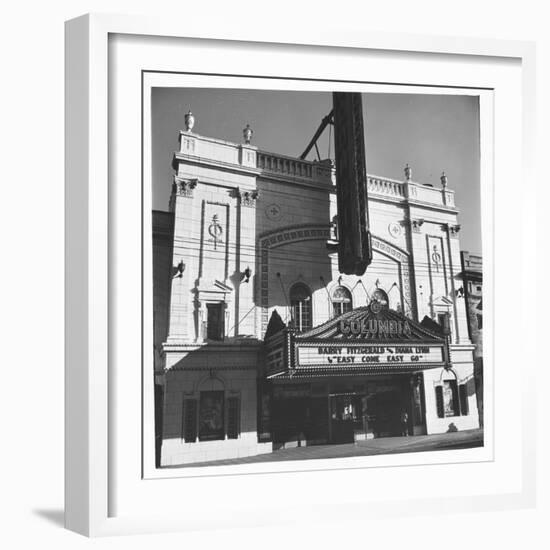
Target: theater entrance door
(384, 412)
(346, 417)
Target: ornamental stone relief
(395, 230)
(213, 256)
(274, 212)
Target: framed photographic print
(286, 264)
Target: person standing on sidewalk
(404, 423)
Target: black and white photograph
(317, 274)
(274, 275)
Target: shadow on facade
(208, 398)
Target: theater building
(262, 343)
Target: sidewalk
(383, 445)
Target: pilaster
(183, 190)
(245, 262)
(461, 314)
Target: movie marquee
(370, 340)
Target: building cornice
(195, 160)
(284, 169)
(217, 140)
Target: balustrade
(291, 167)
(377, 186)
(385, 186)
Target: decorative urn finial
(247, 134)
(189, 121)
(443, 180)
(408, 172)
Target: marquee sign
(375, 328)
(359, 354)
(370, 339)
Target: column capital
(183, 187)
(453, 229)
(416, 224)
(247, 198)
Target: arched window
(341, 301)
(300, 302)
(380, 296)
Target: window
(190, 420)
(211, 421)
(479, 320)
(439, 401)
(463, 394)
(380, 296)
(451, 399)
(300, 303)
(446, 397)
(341, 301)
(233, 417)
(214, 321)
(443, 319)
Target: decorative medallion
(395, 230)
(376, 307)
(274, 212)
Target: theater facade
(262, 343)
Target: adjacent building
(260, 341)
(472, 276)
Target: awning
(370, 340)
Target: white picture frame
(103, 498)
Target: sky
(431, 133)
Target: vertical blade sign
(354, 250)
